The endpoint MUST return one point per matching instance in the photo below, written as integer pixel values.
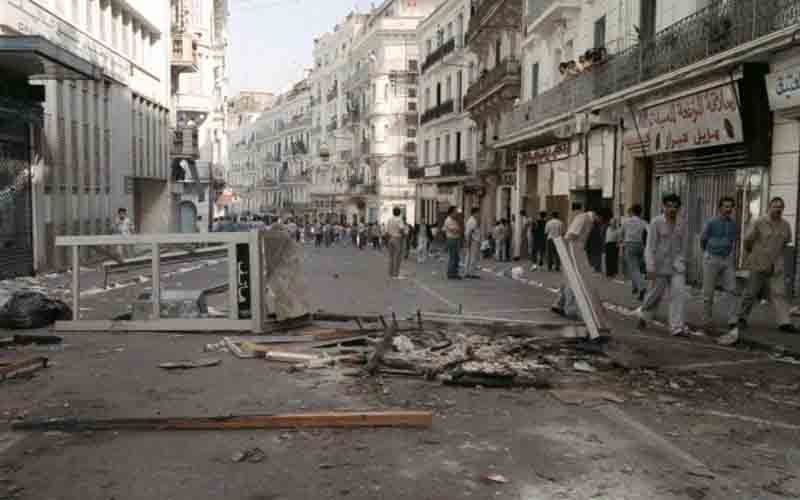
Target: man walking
(665, 256)
(124, 227)
(633, 234)
(396, 233)
(538, 241)
(765, 243)
(452, 231)
(472, 234)
(718, 241)
(554, 229)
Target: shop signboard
(550, 153)
(783, 88)
(704, 119)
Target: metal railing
(435, 56)
(185, 142)
(723, 25)
(508, 72)
(439, 111)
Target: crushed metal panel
(588, 304)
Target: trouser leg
(728, 278)
(754, 286)
(777, 296)
(711, 271)
(655, 293)
(677, 303)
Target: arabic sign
(783, 88)
(546, 154)
(435, 171)
(707, 118)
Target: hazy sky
(271, 40)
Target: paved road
(697, 421)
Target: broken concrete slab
(284, 277)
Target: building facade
(85, 123)
(199, 93)
(447, 138)
(623, 101)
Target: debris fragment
(21, 367)
(403, 344)
(494, 478)
(250, 455)
(583, 366)
(185, 365)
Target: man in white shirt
(396, 230)
(552, 230)
(472, 234)
(123, 226)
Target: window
(114, 27)
(450, 30)
(437, 150)
(498, 50)
(412, 106)
(426, 152)
(447, 148)
(411, 132)
(89, 16)
(413, 65)
(448, 88)
(534, 80)
(374, 93)
(647, 19)
(411, 92)
(428, 48)
(386, 92)
(600, 32)
(438, 93)
(427, 98)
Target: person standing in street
(525, 228)
(765, 244)
(472, 234)
(538, 241)
(665, 257)
(452, 231)
(123, 226)
(553, 229)
(423, 240)
(499, 235)
(396, 232)
(612, 248)
(718, 241)
(633, 238)
(595, 243)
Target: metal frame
(254, 240)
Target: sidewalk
(761, 333)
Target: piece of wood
(284, 356)
(185, 365)
(20, 367)
(338, 317)
(347, 419)
(331, 334)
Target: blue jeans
(634, 256)
(453, 245)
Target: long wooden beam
(386, 418)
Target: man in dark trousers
(538, 240)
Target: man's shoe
(730, 338)
(789, 328)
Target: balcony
(439, 111)
(458, 168)
(333, 92)
(545, 12)
(503, 80)
(487, 10)
(332, 125)
(723, 25)
(184, 53)
(438, 54)
(185, 143)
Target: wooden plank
(335, 317)
(347, 419)
(577, 286)
(201, 325)
(19, 367)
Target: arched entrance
(187, 217)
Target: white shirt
(554, 229)
(123, 226)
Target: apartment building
(365, 88)
(198, 93)
(447, 138)
(493, 35)
(269, 172)
(624, 101)
(85, 123)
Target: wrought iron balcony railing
(505, 76)
(439, 111)
(438, 54)
(185, 143)
(483, 12)
(721, 26)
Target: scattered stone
(251, 455)
(583, 366)
(494, 478)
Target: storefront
(708, 142)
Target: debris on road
(494, 478)
(383, 418)
(29, 309)
(15, 368)
(250, 455)
(185, 365)
(583, 366)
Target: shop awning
(37, 58)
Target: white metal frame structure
(255, 242)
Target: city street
(665, 418)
